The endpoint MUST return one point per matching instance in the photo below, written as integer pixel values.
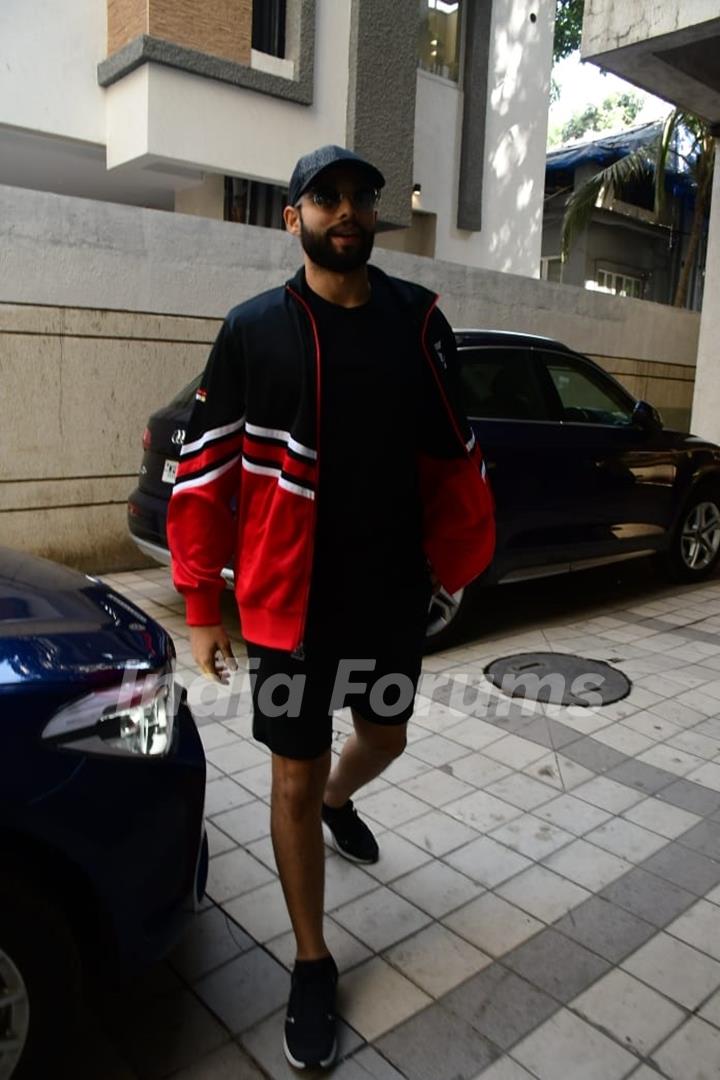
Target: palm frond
(580, 206)
(674, 119)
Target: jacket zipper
(298, 652)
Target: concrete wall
(50, 84)
(106, 310)
(609, 26)
(667, 47)
(79, 385)
(515, 145)
(706, 404)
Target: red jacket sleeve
(201, 526)
(458, 507)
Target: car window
(586, 395)
(187, 394)
(501, 384)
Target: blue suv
(582, 473)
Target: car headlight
(135, 718)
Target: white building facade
(204, 109)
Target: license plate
(169, 471)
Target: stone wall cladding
(217, 27)
(300, 48)
(126, 19)
(221, 28)
(381, 96)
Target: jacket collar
(385, 288)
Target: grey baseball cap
(311, 165)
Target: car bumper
(153, 551)
(130, 833)
(147, 516)
(152, 903)
(147, 520)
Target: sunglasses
(363, 199)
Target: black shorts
(294, 699)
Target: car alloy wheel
(443, 610)
(700, 536)
(14, 1015)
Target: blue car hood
(57, 624)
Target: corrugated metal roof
(605, 149)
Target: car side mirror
(646, 416)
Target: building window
(610, 281)
(439, 38)
(551, 268)
(268, 27)
(251, 203)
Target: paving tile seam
(554, 794)
(611, 966)
(537, 712)
(666, 626)
(642, 1058)
(237, 1036)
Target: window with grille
(620, 284)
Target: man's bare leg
(297, 794)
(365, 754)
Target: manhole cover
(558, 679)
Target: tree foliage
(616, 111)
(568, 27)
(649, 164)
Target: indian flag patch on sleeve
(201, 395)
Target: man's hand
(212, 652)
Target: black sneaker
(310, 1038)
(352, 837)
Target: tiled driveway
(547, 903)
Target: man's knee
(298, 786)
(387, 739)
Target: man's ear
(291, 216)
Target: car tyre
(40, 967)
(447, 616)
(695, 545)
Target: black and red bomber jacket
(247, 482)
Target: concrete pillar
(382, 86)
(575, 270)
(705, 418)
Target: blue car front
(102, 772)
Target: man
(328, 416)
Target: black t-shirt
(370, 579)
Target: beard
(318, 247)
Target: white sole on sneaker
(303, 1065)
(346, 854)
